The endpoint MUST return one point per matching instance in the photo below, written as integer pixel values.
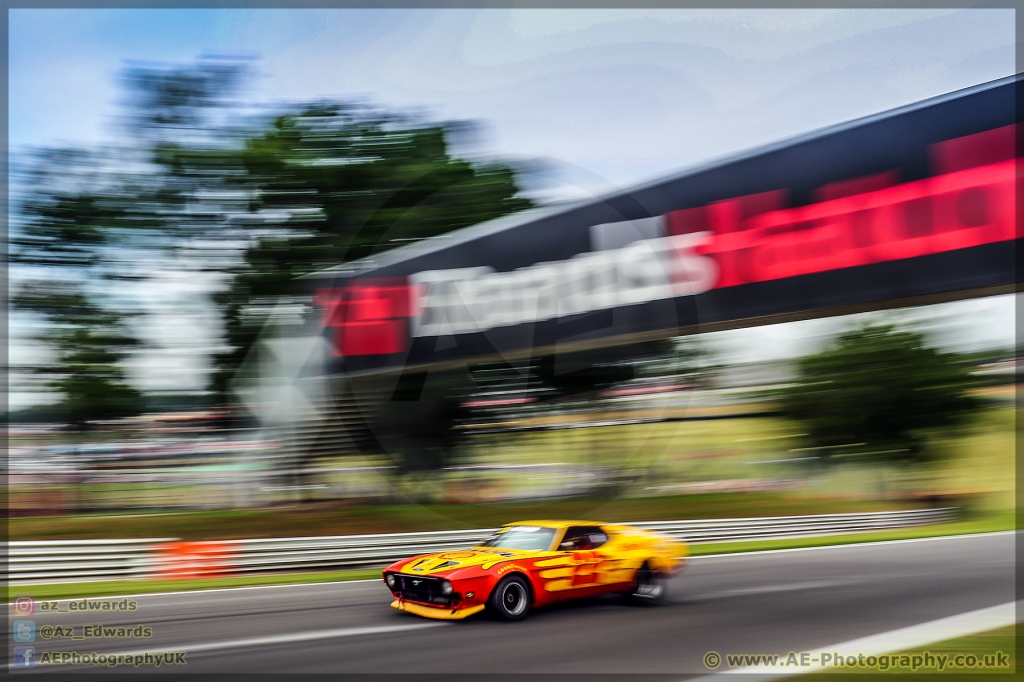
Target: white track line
(890, 642)
(295, 637)
(27, 591)
(11, 588)
(773, 589)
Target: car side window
(581, 538)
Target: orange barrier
(179, 560)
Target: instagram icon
(24, 606)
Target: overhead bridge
(911, 206)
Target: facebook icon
(24, 656)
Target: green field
(974, 470)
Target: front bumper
(438, 612)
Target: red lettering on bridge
(972, 202)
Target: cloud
(745, 34)
(631, 95)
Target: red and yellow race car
(534, 563)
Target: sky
(607, 98)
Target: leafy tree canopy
(874, 390)
(333, 183)
(252, 197)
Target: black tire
(511, 599)
(648, 587)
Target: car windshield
(521, 537)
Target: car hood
(443, 562)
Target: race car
(534, 563)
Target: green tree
(203, 184)
(91, 224)
(63, 238)
(91, 343)
(333, 183)
(875, 391)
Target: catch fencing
(51, 561)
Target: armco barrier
(75, 560)
(69, 560)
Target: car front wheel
(511, 599)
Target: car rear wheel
(648, 587)
(511, 599)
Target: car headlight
(446, 587)
(390, 580)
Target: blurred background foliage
(875, 392)
(204, 182)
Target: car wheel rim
(647, 587)
(650, 590)
(513, 599)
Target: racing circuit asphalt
(752, 603)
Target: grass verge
(984, 646)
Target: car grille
(420, 588)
